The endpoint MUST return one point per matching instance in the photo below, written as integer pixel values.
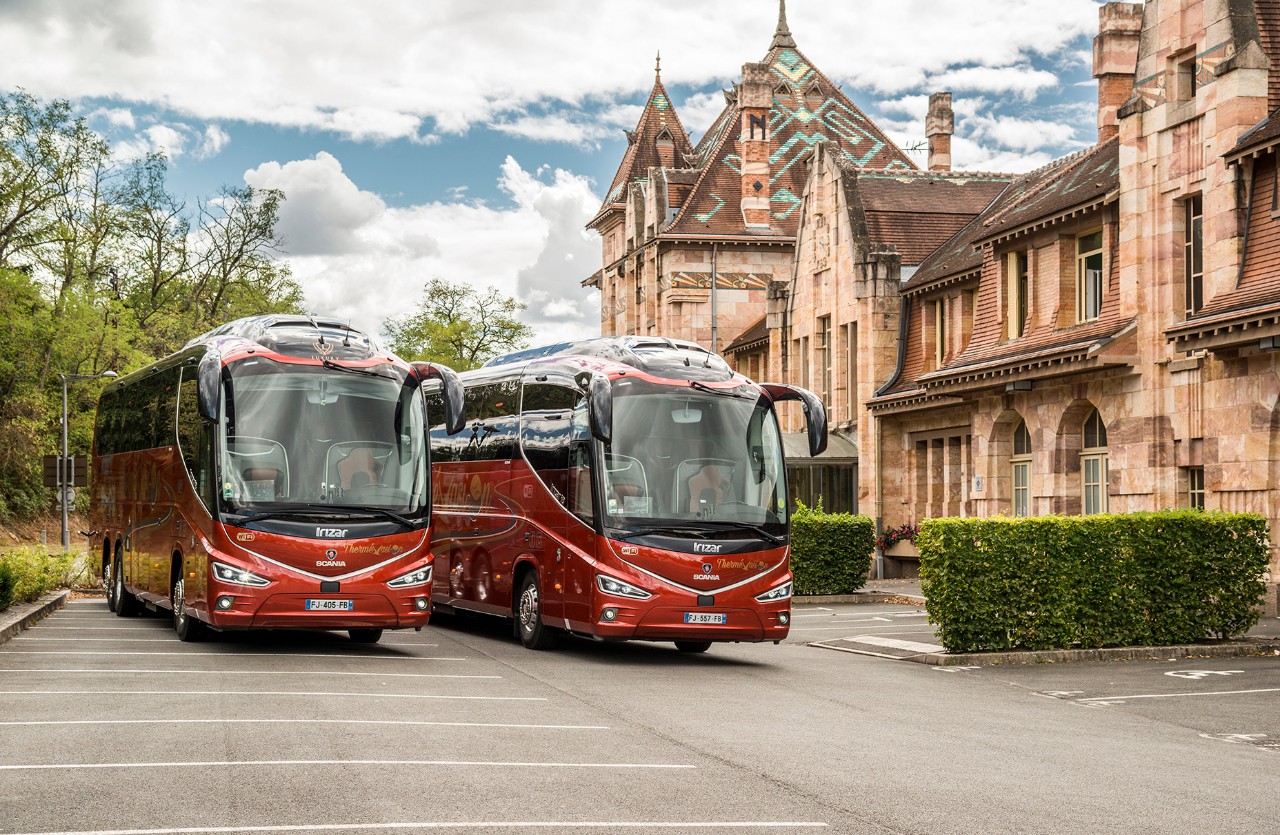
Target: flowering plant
(893, 536)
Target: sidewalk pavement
(22, 615)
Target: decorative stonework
(724, 281)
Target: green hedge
(830, 552)
(1058, 582)
(28, 573)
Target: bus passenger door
(578, 535)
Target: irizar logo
(706, 548)
(331, 533)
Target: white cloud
(404, 68)
(700, 110)
(358, 258)
(1022, 81)
(212, 142)
(1024, 134)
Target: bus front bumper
(290, 611)
(672, 624)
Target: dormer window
(1088, 276)
(814, 99)
(782, 95)
(666, 147)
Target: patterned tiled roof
(752, 336)
(642, 151)
(796, 124)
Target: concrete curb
(1225, 649)
(863, 597)
(17, 618)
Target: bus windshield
(683, 458)
(302, 435)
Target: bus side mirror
(450, 390)
(600, 408)
(815, 414)
(208, 385)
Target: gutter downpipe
(714, 345)
(904, 318)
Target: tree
(458, 326)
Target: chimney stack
(1115, 60)
(938, 127)
(755, 97)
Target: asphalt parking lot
(110, 726)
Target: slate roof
(749, 338)
(918, 211)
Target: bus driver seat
(707, 488)
(359, 469)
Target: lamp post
(64, 486)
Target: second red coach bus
(617, 488)
(273, 473)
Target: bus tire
(530, 629)
(109, 580)
(365, 636)
(188, 627)
(693, 646)
(126, 604)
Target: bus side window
(195, 439)
(581, 503)
(545, 427)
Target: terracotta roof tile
(758, 332)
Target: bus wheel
(533, 633)
(188, 628)
(126, 604)
(365, 636)
(109, 580)
(693, 646)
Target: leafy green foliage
(101, 268)
(830, 552)
(457, 326)
(28, 573)
(1147, 579)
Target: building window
(1021, 461)
(939, 332)
(824, 357)
(813, 99)
(851, 369)
(1193, 254)
(1093, 464)
(1184, 78)
(1016, 309)
(1088, 276)
(1195, 488)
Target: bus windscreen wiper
(382, 511)
(724, 392)
(671, 530)
(368, 372)
(756, 529)
(330, 511)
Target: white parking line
(172, 640)
(200, 654)
(560, 826)
(277, 763)
(270, 693)
(1179, 695)
(243, 673)
(409, 722)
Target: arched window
(1021, 462)
(1093, 463)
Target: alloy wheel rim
(529, 608)
(179, 603)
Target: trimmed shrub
(31, 572)
(1060, 582)
(830, 552)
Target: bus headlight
(776, 593)
(239, 576)
(417, 577)
(614, 586)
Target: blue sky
(472, 141)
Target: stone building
(1101, 334)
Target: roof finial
(657, 65)
(782, 35)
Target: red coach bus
(617, 488)
(273, 473)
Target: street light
(64, 488)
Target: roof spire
(657, 66)
(782, 35)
